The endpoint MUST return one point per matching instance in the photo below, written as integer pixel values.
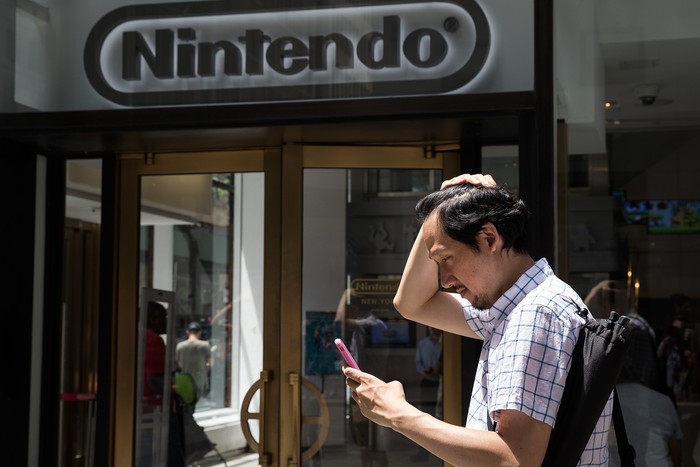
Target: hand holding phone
(345, 353)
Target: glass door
(235, 271)
(195, 310)
(358, 226)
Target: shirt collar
(514, 295)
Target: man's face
(472, 274)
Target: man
(194, 357)
(472, 241)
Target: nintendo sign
(224, 52)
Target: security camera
(646, 93)
(647, 100)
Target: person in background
(154, 356)
(154, 387)
(193, 356)
(677, 349)
(651, 370)
(427, 359)
(651, 419)
(469, 273)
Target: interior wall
(658, 166)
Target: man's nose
(446, 279)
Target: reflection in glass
(502, 163)
(200, 322)
(79, 321)
(359, 226)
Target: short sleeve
(530, 363)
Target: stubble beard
(482, 302)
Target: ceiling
(649, 42)
(666, 64)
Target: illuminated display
(672, 216)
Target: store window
(633, 228)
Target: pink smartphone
(345, 353)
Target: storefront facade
(253, 169)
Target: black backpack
(596, 364)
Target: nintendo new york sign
(224, 52)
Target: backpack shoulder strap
(626, 450)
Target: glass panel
(633, 225)
(359, 226)
(201, 318)
(501, 162)
(81, 259)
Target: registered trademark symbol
(451, 24)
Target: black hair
(463, 210)
(157, 317)
(640, 364)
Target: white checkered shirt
(529, 335)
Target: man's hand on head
(474, 179)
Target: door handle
(264, 457)
(296, 418)
(322, 419)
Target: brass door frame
(130, 168)
(283, 272)
(295, 159)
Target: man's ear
(490, 236)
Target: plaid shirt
(529, 335)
